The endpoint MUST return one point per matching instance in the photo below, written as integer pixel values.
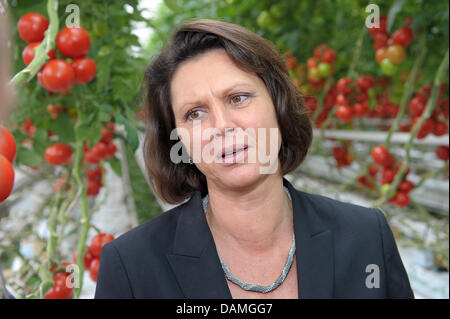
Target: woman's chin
(239, 175)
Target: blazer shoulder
(339, 212)
(158, 231)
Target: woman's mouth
(234, 155)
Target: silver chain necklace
(252, 287)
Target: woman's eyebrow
(223, 93)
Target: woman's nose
(222, 120)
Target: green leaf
(92, 132)
(172, 5)
(104, 70)
(115, 165)
(33, 281)
(396, 8)
(106, 108)
(28, 157)
(132, 137)
(63, 127)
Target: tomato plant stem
(41, 50)
(408, 90)
(84, 215)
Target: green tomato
(277, 10)
(384, 189)
(324, 69)
(264, 19)
(388, 67)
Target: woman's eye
(237, 99)
(193, 115)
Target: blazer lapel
(196, 264)
(194, 260)
(314, 248)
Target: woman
(244, 231)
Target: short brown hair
(176, 182)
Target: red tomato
(90, 158)
(405, 186)
(112, 149)
(319, 50)
(341, 99)
(365, 82)
(439, 128)
(344, 86)
(93, 269)
(380, 155)
(87, 259)
(380, 41)
(382, 26)
(312, 63)
(329, 56)
(93, 188)
(59, 292)
(388, 176)
(73, 42)
(291, 63)
(58, 154)
(100, 150)
(106, 136)
(32, 26)
(417, 105)
(442, 152)
(361, 109)
(344, 113)
(403, 36)
(339, 153)
(6, 178)
(57, 76)
(85, 70)
(95, 174)
(98, 242)
(28, 53)
(402, 199)
(373, 170)
(425, 129)
(7, 144)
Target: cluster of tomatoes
(104, 149)
(58, 75)
(91, 258)
(7, 156)
(390, 51)
(382, 157)
(61, 288)
(320, 66)
(352, 98)
(342, 156)
(434, 124)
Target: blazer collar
(196, 264)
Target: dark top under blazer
(174, 255)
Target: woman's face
(219, 108)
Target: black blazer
(174, 255)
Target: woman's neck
(253, 220)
